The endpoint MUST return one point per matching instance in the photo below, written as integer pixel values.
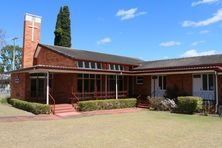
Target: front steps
(65, 110)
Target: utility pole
(13, 60)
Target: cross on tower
(33, 28)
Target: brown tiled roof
(93, 56)
(182, 62)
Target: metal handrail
(52, 98)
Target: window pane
(111, 67)
(86, 75)
(92, 76)
(33, 87)
(41, 87)
(164, 82)
(80, 75)
(79, 86)
(93, 65)
(204, 82)
(86, 64)
(98, 85)
(92, 85)
(121, 67)
(211, 82)
(99, 66)
(86, 85)
(80, 64)
(116, 67)
(160, 82)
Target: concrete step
(64, 109)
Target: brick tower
(31, 38)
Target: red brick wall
(182, 81)
(142, 89)
(220, 89)
(29, 46)
(20, 88)
(48, 57)
(63, 86)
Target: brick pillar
(31, 38)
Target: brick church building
(53, 74)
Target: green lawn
(8, 110)
(139, 129)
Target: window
(115, 67)
(93, 65)
(87, 64)
(121, 67)
(139, 80)
(207, 82)
(111, 67)
(162, 82)
(80, 64)
(99, 66)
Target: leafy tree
(6, 57)
(63, 29)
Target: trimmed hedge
(35, 108)
(107, 104)
(189, 104)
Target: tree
(6, 58)
(58, 29)
(2, 38)
(63, 29)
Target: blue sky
(147, 29)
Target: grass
(7, 110)
(139, 129)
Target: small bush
(188, 104)
(4, 100)
(161, 104)
(106, 104)
(35, 108)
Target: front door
(203, 86)
(158, 86)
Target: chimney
(31, 38)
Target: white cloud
(203, 2)
(170, 44)
(194, 52)
(204, 31)
(197, 43)
(104, 41)
(129, 14)
(217, 17)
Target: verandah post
(116, 87)
(47, 89)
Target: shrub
(35, 108)
(106, 104)
(161, 104)
(4, 100)
(188, 104)
(174, 92)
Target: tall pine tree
(58, 29)
(63, 29)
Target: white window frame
(162, 83)
(208, 88)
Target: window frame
(138, 79)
